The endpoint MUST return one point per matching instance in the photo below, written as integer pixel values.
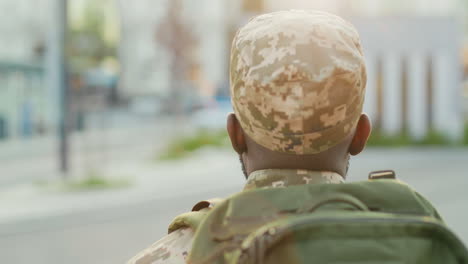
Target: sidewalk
(148, 180)
(438, 173)
(36, 159)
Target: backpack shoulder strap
(390, 175)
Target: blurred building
(368, 7)
(24, 107)
(147, 63)
(27, 103)
(23, 27)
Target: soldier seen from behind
(298, 82)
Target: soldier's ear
(236, 134)
(363, 130)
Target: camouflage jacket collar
(283, 178)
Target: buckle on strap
(383, 174)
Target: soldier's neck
(333, 160)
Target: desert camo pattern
(298, 80)
(175, 247)
(172, 249)
(275, 178)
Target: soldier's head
(297, 84)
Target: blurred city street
(110, 226)
(112, 114)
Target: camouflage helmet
(297, 80)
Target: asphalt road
(115, 234)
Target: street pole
(59, 83)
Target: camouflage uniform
(283, 178)
(174, 248)
(171, 249)
(297, 86)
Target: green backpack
(377, 221)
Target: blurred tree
(179, 41)
(87, 45)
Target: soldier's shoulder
(173, 248)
